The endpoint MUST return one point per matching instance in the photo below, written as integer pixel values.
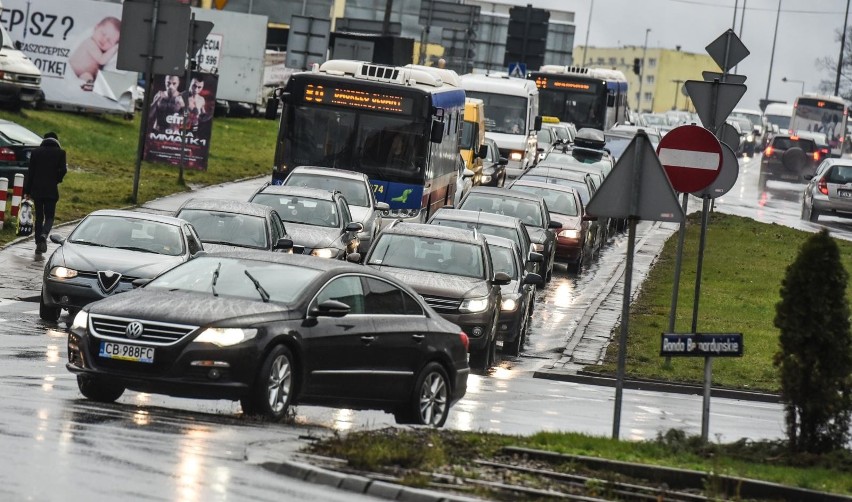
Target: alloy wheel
(279, 383)
(433, 399)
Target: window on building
(652, 62)
(648, 96)
(622, 61)
(612, 61)
(649, 79)
(600, 61)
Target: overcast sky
(806, 31)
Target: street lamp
(785, 79)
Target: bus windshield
(382, 146)
(504, 114)
(581, 109)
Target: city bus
(511, 116)
(398, 125)
(585, 97)
(821, 114)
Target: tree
(828, 64)
(815, 354)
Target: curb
(655, 386)
(360, 484)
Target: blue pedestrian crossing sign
(518, 70)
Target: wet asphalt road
(59, 446)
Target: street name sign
(701, 345)
(691, 157)
(713, 112)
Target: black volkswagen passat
(271, 330)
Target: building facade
(663, 73)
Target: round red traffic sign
(691, 156)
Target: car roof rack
(588, 137)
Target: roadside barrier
(17, 193)
(4, 192)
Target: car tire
(513, 348)
(46, 312)
(813, 216)
(273, 389)
(72, 313)
(97, 389)
(430, 399)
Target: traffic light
(637, 66)
(527, 36)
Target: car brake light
(7, 154)
(824, 150)
(465, 341)
(768, 151)
(816, 155)
(822, 186)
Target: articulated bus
(822, 114)
(586, 97)
(398, 125)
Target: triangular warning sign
(637, 187)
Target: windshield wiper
(134, 248)
(215, 278)
(263, 294)
(88, 243)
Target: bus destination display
(353, 98)
(567, 85)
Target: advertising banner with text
(74, 43)
(181, 113)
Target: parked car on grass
(318, 221)
(273, 330)
(357, 190)
(106, 252)
(226, 224)
(451, 269)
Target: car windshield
(617, 144)
(782, 121)
(510, 233)
(15, 134)
(754, 119)
(580, 186)
(428, 254)
(354, 191)
(232, 229)
(284, 283)
(503, 260)
(558, 201)
(129, 233)
(293, 209)
(504, 113)
(527, 211)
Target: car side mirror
(536, 257)
(138, 283)
(436, 134)
(537, 123)
(284, 243)
(503, 161)
(271, 111)
(56, 239)
(353, 257)
(531, 278)
(483, 151)
(554, 224)
(540, 149)
(354, 226)
(329, 308)
(467, 173)
(502, 278)
(382, 206)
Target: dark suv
(787, 158)
(451, 269)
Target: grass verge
(744, 264)
(102, 149)
(408, 453)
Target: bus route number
(378, 188)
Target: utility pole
(772, 58)
(842, 48)
(588, 29)
(642, 71)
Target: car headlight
(81, 320)
(486, 178)
(538, 248)
(474, 305)
(324, 252)
(570, 234)
(750, 137)
(225, 337)
(510, 303)
(516, 156)
(63, 273)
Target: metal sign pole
(143, 123)
(186, 82)
(708, 361)
(681, 236)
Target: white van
(778, 114)
(21, 82)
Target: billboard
(181, 113)
(74, 43)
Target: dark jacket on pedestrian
(46, 170)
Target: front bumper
(477, 326)
(510, 323)
(78, 292)
(568, 250)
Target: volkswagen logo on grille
(108, 280)
(134, 330)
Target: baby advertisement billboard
(181, 114)
(74, 43)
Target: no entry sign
(691, 156)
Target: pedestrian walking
(46, 170)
